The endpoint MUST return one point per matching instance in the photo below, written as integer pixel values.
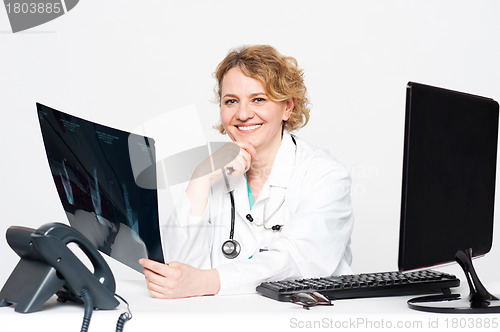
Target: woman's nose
(244, 112)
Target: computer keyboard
(363, 285)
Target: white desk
(247, 312)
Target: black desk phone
(49, 267)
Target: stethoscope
(231, 248)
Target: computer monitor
(448, 188)
(106, 181)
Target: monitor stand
(478, 301)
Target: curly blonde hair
(279, 75)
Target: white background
(122, 63)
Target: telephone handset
(47, 265)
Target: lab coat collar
(283, 164)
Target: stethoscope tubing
(233, 215)
(231, 248)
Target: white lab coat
(316, 217)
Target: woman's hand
(199, 186)
(241, 164)
(177, 280)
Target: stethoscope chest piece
(231, 249)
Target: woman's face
(248, 114)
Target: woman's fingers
(161, 279)
(241, 164)
(237, 156)
(248, 148)
(158, 268)
(176, 280)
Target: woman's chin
(249, 139)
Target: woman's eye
(230, 101)
(259, 100)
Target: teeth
(249, 127)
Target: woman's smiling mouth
(248, 128)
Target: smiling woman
(288, 201)
(250, 117)
(280, 76)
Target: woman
(293, 215)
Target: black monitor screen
(449, 167)
(106, 180)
